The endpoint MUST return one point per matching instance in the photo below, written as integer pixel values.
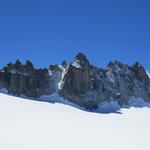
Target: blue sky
(49, 31)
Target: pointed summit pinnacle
(80, 61)
(18, 62)
(80, 56)
(64, 64)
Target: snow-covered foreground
(32, 125)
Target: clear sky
(49, 31)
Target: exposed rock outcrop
(79, 82)
(25, 80)
(89, 86)
(64, 64)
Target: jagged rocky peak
(54, 68)
(139, 71)
(79, 82)
(14, 68)
(138, 67)
(19, 79)
(80, 61)
(76, 81)
(88, 86)
(18, 63)
(9, 66)
(29, 64)
(117, 65)
(29, 68)
(64, 64)
(80, 56)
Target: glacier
(29, 125)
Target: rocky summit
(78, 82)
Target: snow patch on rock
(148, 73)
(64, 71)
(77, 64)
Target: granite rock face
(89, 86)
(25, 80)
(79, 82)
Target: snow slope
(148, 73)
(32, 125)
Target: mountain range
(79, 82)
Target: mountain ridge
(79, 82)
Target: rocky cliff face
(79, 82)
(25, 80)
(89, 86)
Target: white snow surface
(64, 71)
(148, 73)
(76, 63)
(33, 125)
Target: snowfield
(32, 125)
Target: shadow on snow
(105, 108)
